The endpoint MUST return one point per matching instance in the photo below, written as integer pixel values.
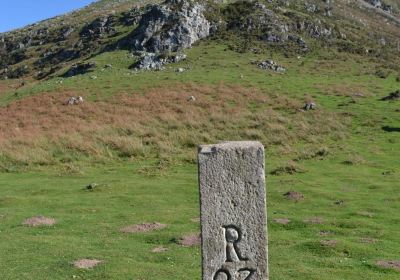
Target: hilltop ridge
(49, 47)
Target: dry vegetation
(162, 123)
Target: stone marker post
(233, 211)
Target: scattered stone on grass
(282, 221)
(195, 220)
(339, 202)
(314, 220)
(74, 100)
(389, 264)
(293, 195)
(91, 186)
(191, 98)
(159, 249)
(309, 106)
(145, 227)
(86, 263)
(270, 65)
(190, 240)
(328, 243)
(39, 221)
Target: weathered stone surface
(171, 26)
(233, 211)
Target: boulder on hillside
(153, 61)
(171, 26)
(271, 65)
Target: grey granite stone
(233, 211)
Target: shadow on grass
(391, 129)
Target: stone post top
(231, 145)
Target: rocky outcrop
(271, 65)
(152, 61)
(98, 28)
(172, 26)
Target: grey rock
(310, 106)
(154, 61)
(271, 65)
(172, 26)
(233, 211)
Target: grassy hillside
(135, 137)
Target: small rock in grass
(91, 186)
(310, 106)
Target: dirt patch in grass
(159, 249)
(366, 214)
(146, 227)
(325, 233)
(190, 240)
(290, 168)
(314, 220)
(368, 240)
(86, 263)
(328, 243)
(293, 195)
(282, 221)
(389, 264)
(195, 220)
(39, 221)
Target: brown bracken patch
(328, 243)
(389, 264)
(39, 221)
(159, 249)
(190, 240)
(314, 220)
(136, 124)
(86, 263)
(146, 227)
(282, 221)
(293, 195)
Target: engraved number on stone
(233, 236)
(222, 274)
(249, 270)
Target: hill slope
(159, 79)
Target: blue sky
(18, 13)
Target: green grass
(361, 169)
